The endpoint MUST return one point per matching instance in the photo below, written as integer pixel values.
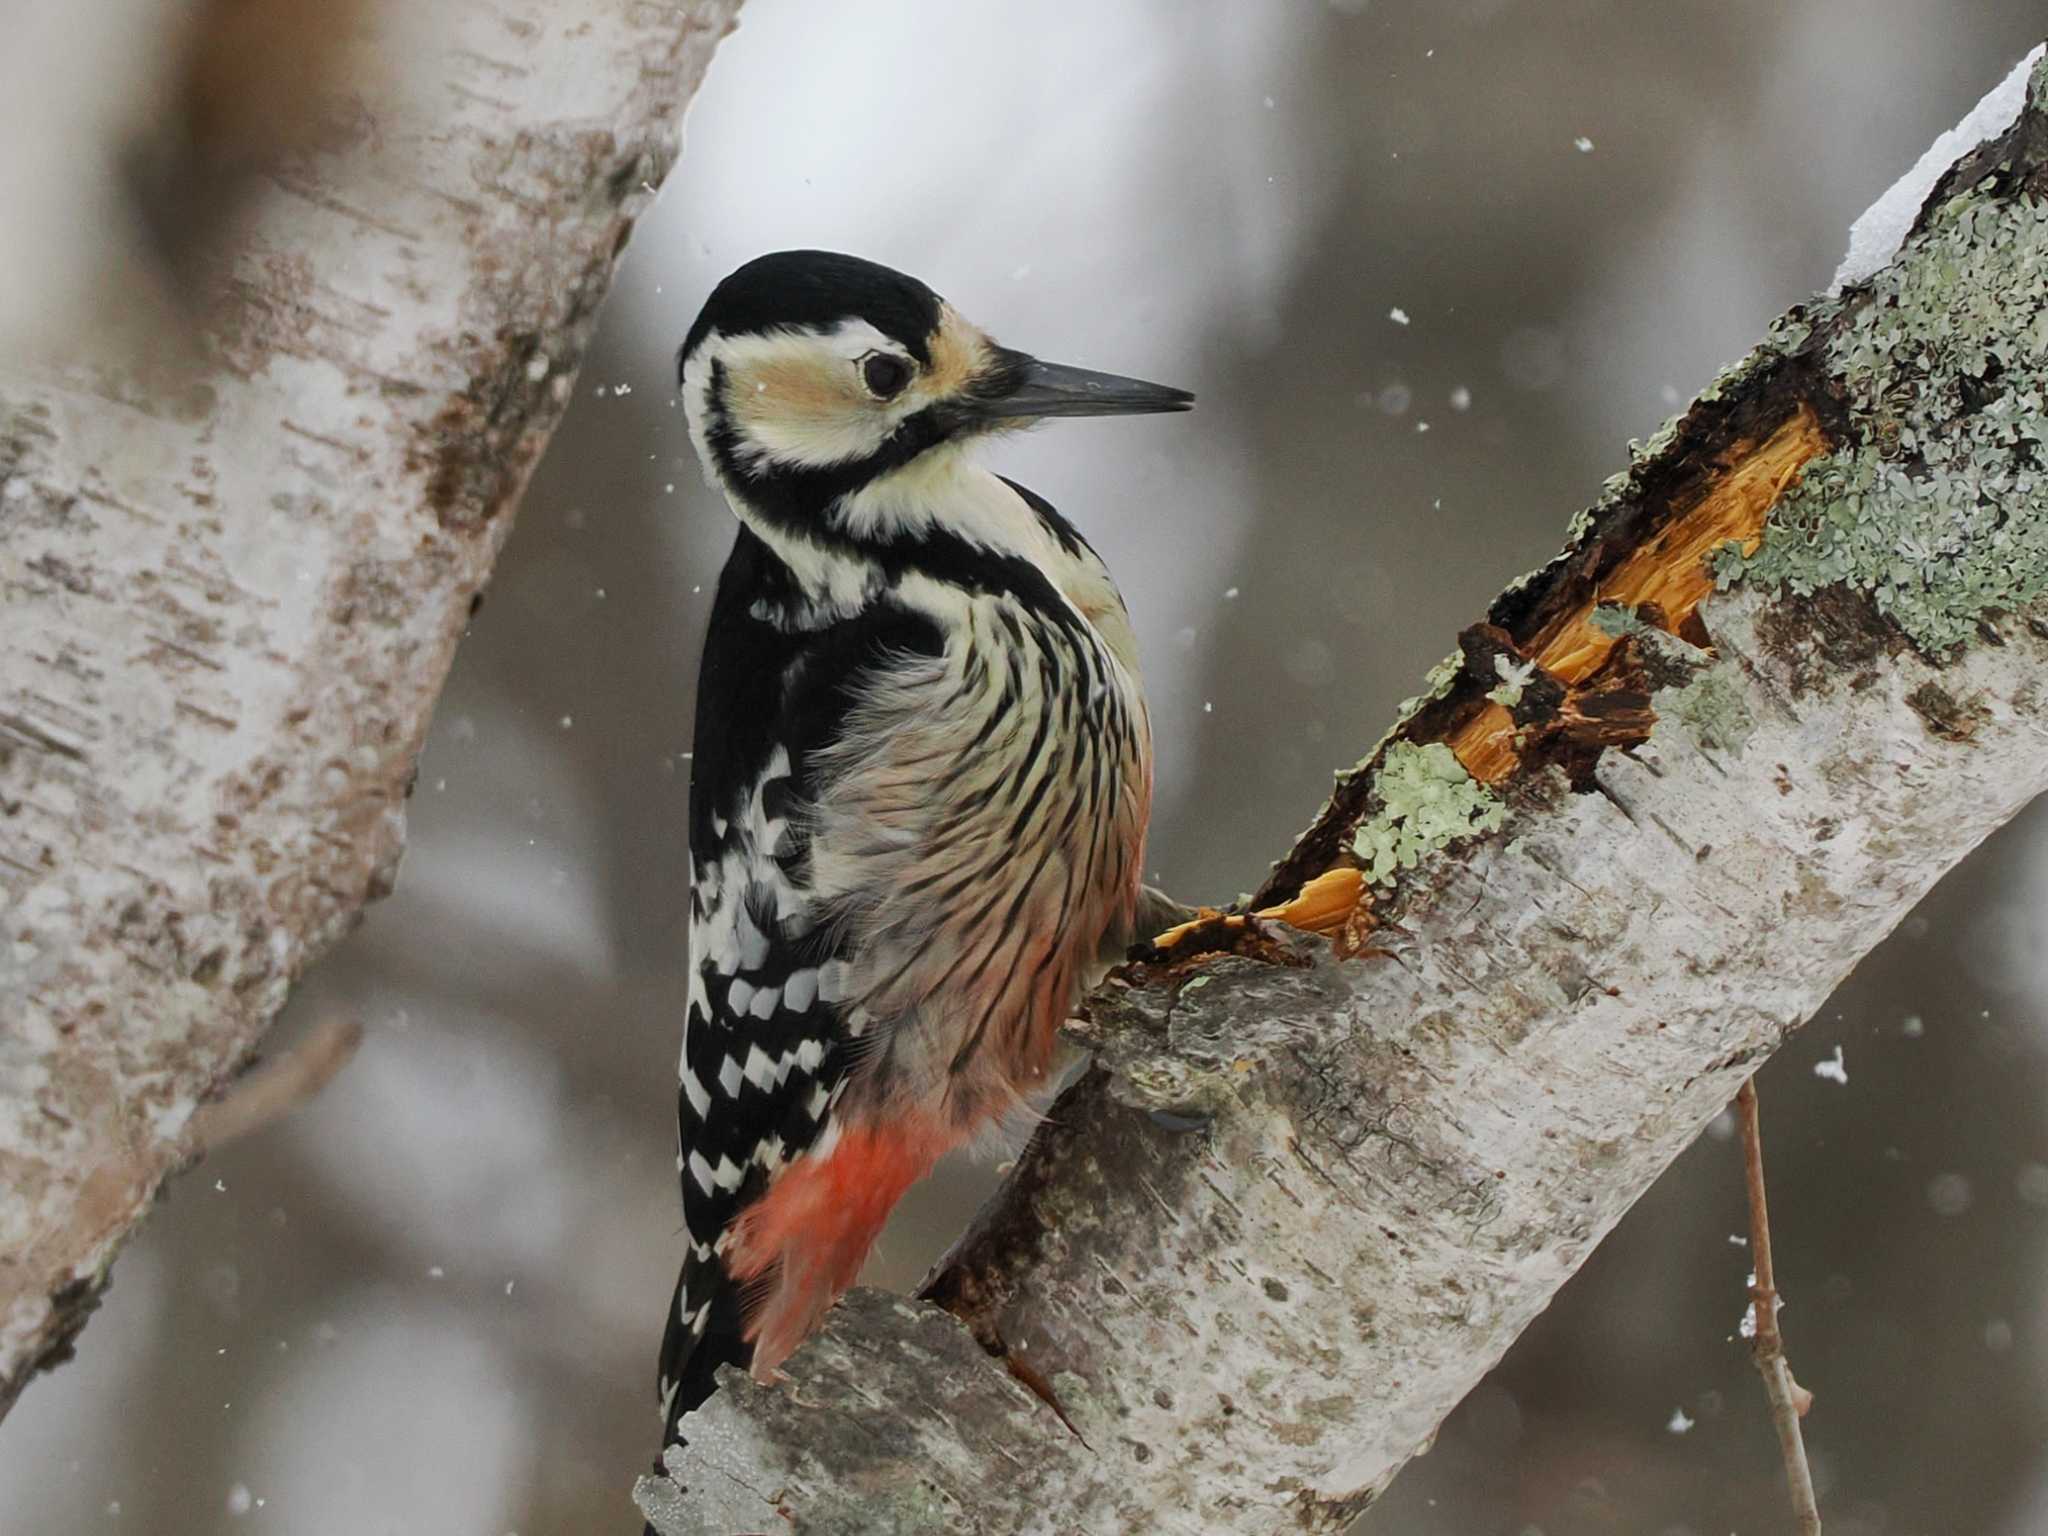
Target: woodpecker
(919, 791)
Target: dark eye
(885, 374)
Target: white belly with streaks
(981, 830)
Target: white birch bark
(1300, 1205)
(226, 609)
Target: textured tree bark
(1784, 675)
(226, 610)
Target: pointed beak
(1024, 386)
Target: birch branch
(1789, 1401)
(276, 1089)
(1630, 837)
(226, 609)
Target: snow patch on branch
(1875, 238)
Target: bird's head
(810, 377)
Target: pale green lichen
(1615, 620)
(1435, 684)
(1938, 505)
(1709, 702)
(1712, 707)
(1427, 801)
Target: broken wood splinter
(1325, 905)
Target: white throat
(944, 491)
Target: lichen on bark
(1932, 502)
(1427, 801)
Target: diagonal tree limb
(1631, 836)
(226, 609)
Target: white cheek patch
(817, 442)
(795, 395)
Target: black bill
(1029, 387)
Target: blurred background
(1429, 266)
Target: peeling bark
(1677, 784)
(226, 608)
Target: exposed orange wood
(1486, 745)
(1664, 580)
(1324, 903)
(1322, 906)
(1668, 571)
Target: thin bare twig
(1789, 1401)
(277, 1088)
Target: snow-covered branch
(231, 584)
(1785, 674)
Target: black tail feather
(690, 1360)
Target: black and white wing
(764, 1043)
